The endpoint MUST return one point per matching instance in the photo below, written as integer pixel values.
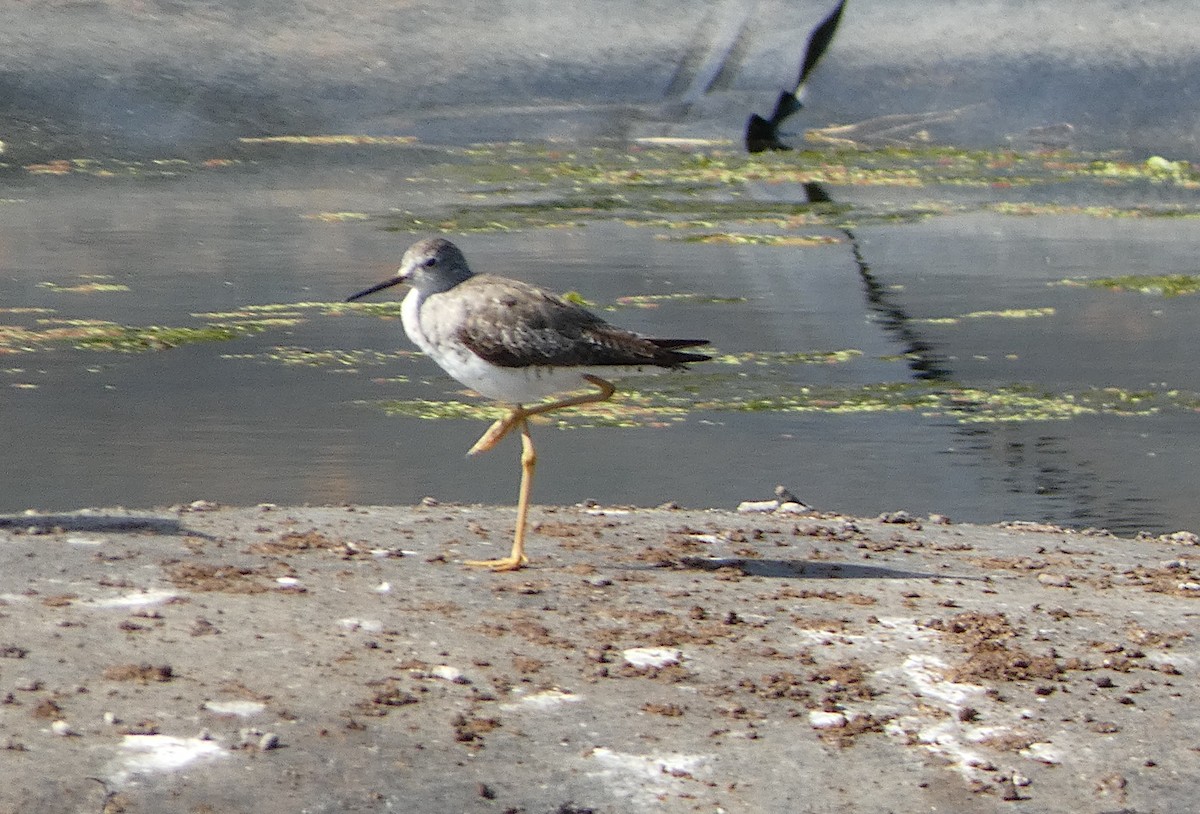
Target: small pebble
(429, 502)
(643, 657)
(1008, 790)
(110, 719)
(62, 728)
(1043, 752)
(268, 741)
(367, 625)
(1189, 586)
(1054, 580)
(900, 516)
(820, 719)
(448, 673)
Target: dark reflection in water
(923, 360)
(230, 422)
(1056, 471)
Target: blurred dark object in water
(763, 134)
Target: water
(218, 421)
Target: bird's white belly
(512, 385)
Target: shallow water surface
(323, 405)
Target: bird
(763, 134)
(517, 344)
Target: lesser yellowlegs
(517, 344)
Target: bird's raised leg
(504, 426)
(519, 418)
(500, 428)
(516, 557)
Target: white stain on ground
(154, 754)
(646, 657)
(240, 707)
(641, 779)
(365, 625)
(543, 701)
(949, 733)
(139, 600)
(947, 736)
(820, 719)
(926, 675)
(1043, 752)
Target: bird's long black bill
(374, 288)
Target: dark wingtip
(686, 358)
(671, 344)
(674, 357)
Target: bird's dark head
(431, 266)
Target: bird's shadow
(98, 523)
(803, 569)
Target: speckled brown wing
(512, 324)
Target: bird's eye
(430, 262)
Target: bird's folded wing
(511, 324)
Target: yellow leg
(516, 557)
(504, 426)
(519, 418)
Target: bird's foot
(495, 433)
(509, 563)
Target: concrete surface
(116, 76)
(280, 659)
